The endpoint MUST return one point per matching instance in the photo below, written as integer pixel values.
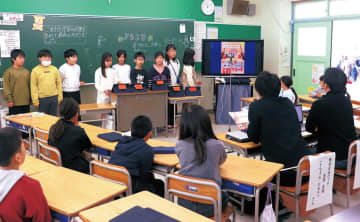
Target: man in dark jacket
(331, 118)
(137, 157)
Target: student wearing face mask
(45, 84)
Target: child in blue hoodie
(137, 157)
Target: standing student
(331, 118)
(70, 75)
(46, 89)
(105, 78)
(159, 71)
(138, 75)
(17, 84)
(137, 157)
(173, 64)
(189, 77)
(122, 69)
(21, 197)
(200, 154)
(70, 138)
(287, 91)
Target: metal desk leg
(174, 118)
(257, 199)
(277, 196)
(113, 119)
(33, 153)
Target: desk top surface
(141, 93)
(246, 145)
(94, 106)
(307, 98)
(68, 192)
(33, 166)
(143, 199)
(185, 98)
(249, 171)
(31, 119)
(248, 99)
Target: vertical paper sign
(9, 40)
(357, 169)
(321, 180)
(200, 34)
(317, 71)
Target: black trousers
(49, 105)
(19, 109)
(74, 95)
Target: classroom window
(312, 41)
(346, 53)
(306, 10)
(344, 7)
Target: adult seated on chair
(274, 123)
(70, 138)
(331, 118)
(21, 197)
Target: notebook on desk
(238, 136)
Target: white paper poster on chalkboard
(9, 40)
(200, 34)
(321, 180)
(357, 167)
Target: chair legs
(347, 192)
(297, 208)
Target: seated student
(319, 92)
(331, 118)
(21, 197)
(137, 157)
(138, 75)
(274, 123)
(159, 71)
(286, 90)
(70, 138)
(200, 154)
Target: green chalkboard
(93, 35)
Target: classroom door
(311, 54)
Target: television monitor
(239, 58)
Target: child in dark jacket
(137, 157)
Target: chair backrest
(352, 156)
(49, 154)
(113, 173)
(304, 170)
(195, 189)
(27, 145)
(41, 135)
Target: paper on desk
(321, 180)
(241, 118)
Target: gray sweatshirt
(215, 156)
(8, 179)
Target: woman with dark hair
(70, 138)
(287, 90)
(331, 117)
(172, 63)
(189, 77)
(200, 153)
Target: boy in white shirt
(287, 90)
(122, 69)
(70, 75)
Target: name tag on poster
(357, 168)
(321, 180)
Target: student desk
(143, 199)
(153, 104)
(182, 100)
(348, 215)
(242, 148)
(307, 98)
(33, 166)
(255, 173)
(26, 122)
(68, 192)
(98, 109)
(248, 100)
